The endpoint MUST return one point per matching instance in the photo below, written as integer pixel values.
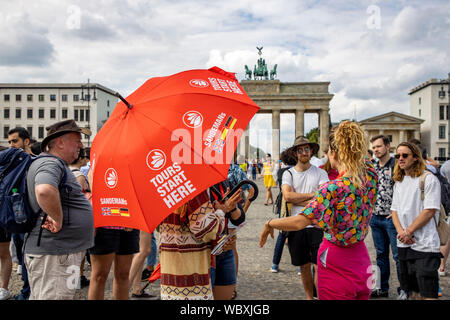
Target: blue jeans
(224, 274)
(151, 259)
(278, 251)
(384, 235)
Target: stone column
(247, 142)
(299, 122)
(275, 134)
(324, 130)
(401, 136)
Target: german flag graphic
(229, 124)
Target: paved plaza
(255, 281)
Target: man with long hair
(418, 240)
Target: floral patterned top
(342, 210)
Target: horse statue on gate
(248, 73)
(273, 72)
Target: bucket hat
(302, 140)
(60, 128)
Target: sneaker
(299, 271)
(402, 295)
(4, 294)
(19, 269)
(439, 292)
(274, 268)
(378, 293)
(84, 282)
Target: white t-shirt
(304, 182)
(408, 204)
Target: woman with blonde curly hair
(342, 208)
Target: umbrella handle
(238, 186)
(129, 105)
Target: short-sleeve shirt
(408, 204)
(77, 232)
(304, 182)
(385, 187)
(342, 210)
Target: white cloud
(120, 44)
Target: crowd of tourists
(326, 206)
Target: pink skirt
(344, 273)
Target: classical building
(430, 101)
(276, 97)
(37, 105)
(397, 126)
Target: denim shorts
(225, 272)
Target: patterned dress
(185, 250)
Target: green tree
(313, 135)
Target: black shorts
(4, 236)
(120, 242)
(419, 272)
(304, 245)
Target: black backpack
(14, 165)
(279, 200)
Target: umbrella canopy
(165, 143)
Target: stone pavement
(255, 281)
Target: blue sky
(372, 52)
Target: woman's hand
(267, 229)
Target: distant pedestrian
(342, 208)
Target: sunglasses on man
(303, 150)
(403, 155)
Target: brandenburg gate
(276, 97)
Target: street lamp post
(88, 87)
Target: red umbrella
(165, 143)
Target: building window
(390, 138)
(441, 112)
(446, 108)
(64, 114)
(107, 114)
(5, 132)
(81, 114)
(30, 130)
(441, 132)
(75, 114)
(18, 97)
(41, 113)
(442, 152)
(6, 113)
(6, 97)
(18, 113)
(420, 112)
(64, 97)
(41, 98)
(41, 132)
(30, 113)
(52, 113)
(76, 97)
(420, 100)
(87, 115)
(53, 97)
(107, 103)
(29, 97)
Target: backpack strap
(423, 176)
